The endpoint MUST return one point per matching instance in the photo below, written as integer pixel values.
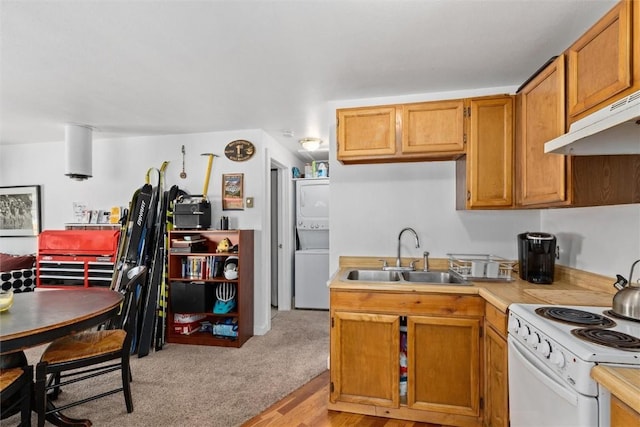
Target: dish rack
(481, 267)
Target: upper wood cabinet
(484, 178)
(601, 65)
(397, 133)
(433, 127)
(366, 132)
(547, 180)
(541, 117)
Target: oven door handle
(541, 372)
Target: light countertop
(570, 287)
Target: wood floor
(307, 407)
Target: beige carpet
(185, 385)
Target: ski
(135, 222)
(161, 320)
(154, 260)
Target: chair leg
(25, 396)
(126, 377)
(40, 398)
(54, 393)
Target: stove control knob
(524, 332)
(544, 348)
(535, 340)
(514, 325)
(557, 359)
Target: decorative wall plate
(239, 150)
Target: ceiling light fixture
(78, 150)
(310, 144)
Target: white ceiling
(166, 67)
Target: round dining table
(40, 317)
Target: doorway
(274, 237)
(281, 240)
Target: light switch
(249, 202)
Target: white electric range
(552, 350)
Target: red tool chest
(76, 258)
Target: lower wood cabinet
(444, 353)
(622, 415)
(496, 381)
(444, 364)
(365, 353)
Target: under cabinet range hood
(614, 129)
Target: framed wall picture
(232, 192)
(20, 211)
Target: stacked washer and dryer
(312, 254)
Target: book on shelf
(202, 267)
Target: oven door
(539, 397)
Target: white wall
(119, 168)
(603, 239)
(370, 204)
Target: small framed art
(232, 191)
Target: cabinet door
(444, 364)
(622, 415)
(365, 357)
(542, 177)
(496, 392)
(490, 153)
(433, 127)
(366, 132)
(600, 62)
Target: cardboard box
(187, 317)
(186, 328)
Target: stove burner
(620, 316)
(608, 338)
(576, 317)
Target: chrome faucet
(398, 260)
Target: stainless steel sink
(417, 277)
(373, 276)
(433, 277)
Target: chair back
(137, 279)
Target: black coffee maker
(537, 257)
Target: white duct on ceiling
(78, 151)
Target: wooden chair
(15, 393)
(86, 355)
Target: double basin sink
(417, 277)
